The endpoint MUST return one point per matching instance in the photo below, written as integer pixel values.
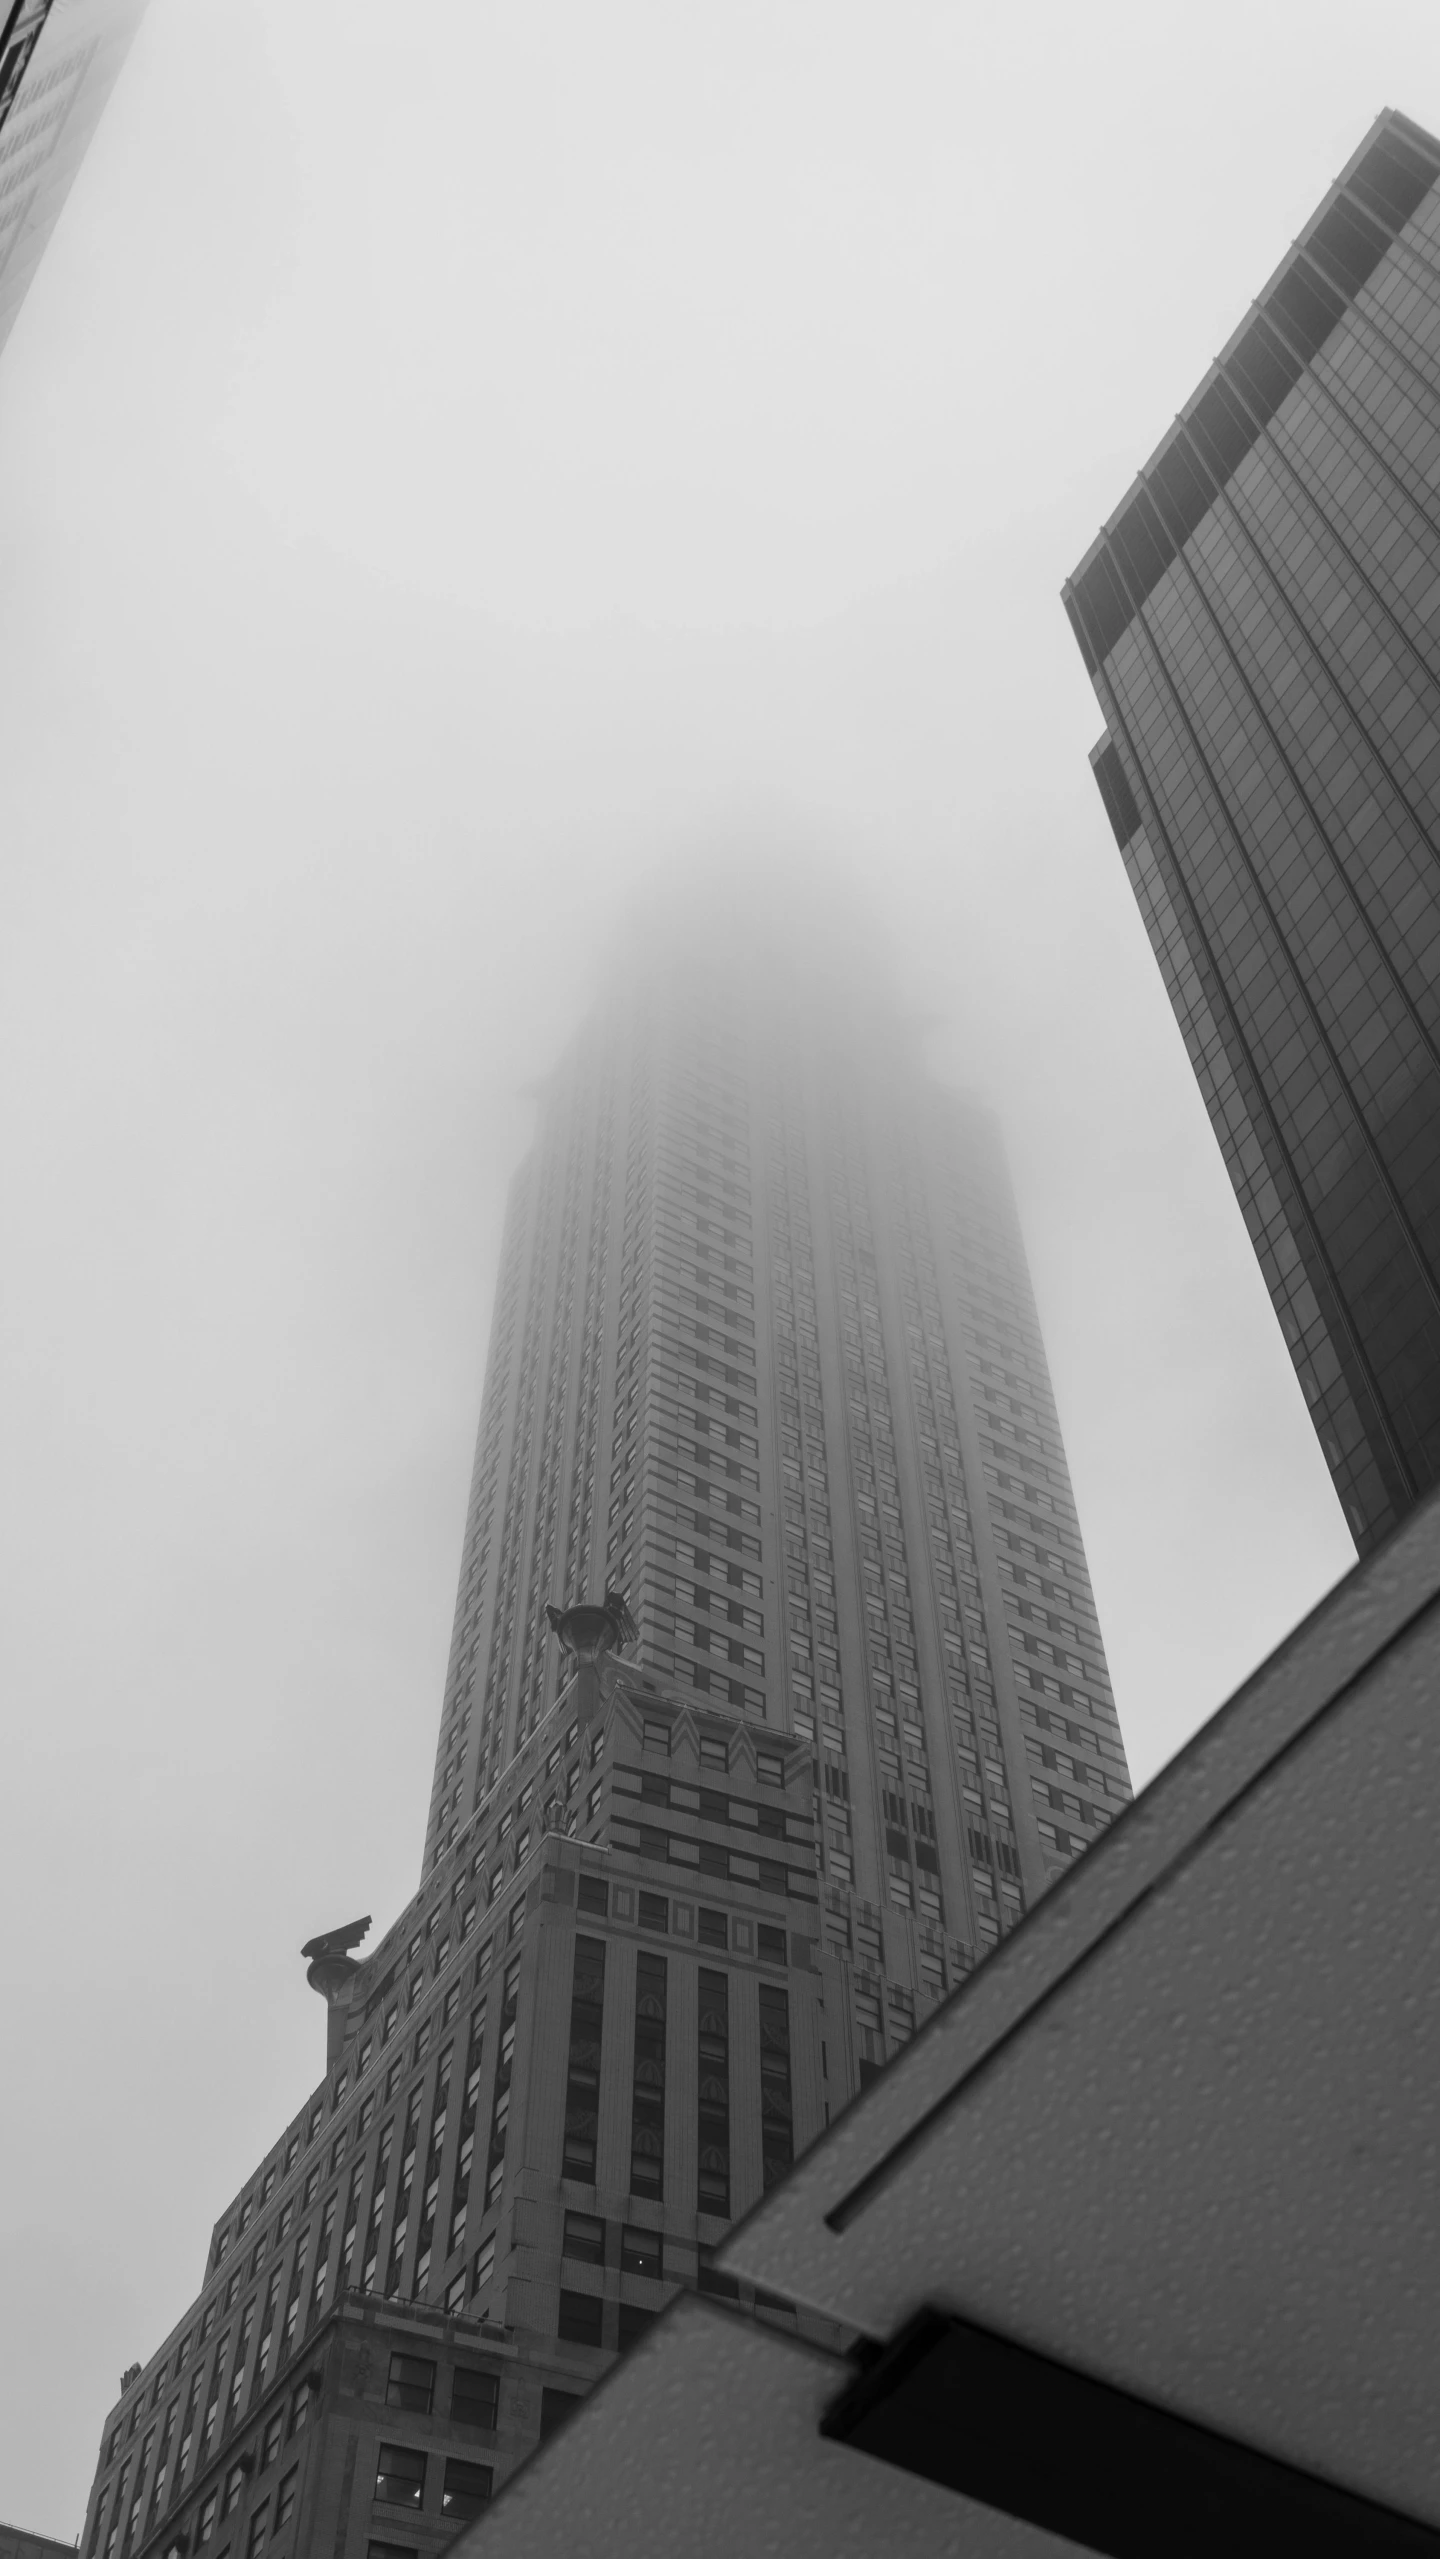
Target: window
(642, 2252)
(272, 2439)
(205, 2520)
(484, 2264)
(285, 2501)
(411, 2384)
(713, 1929)
(713, 1752)
(592, 1800)
(657, 1737)
(234, 2489)
(655, 1913)
(593, 1896)
(455, 2295)
(467, 2489)
(633, 2323)
(647, 2119)
(582, 2086)
(400, 2476)
(771, 1944)
(475, 2397)
(299, 2413)
(555, 2407)
(769, 1768)
(714, 2094)
(580, 2314)
(389, 2550)
(584, 2239)
(777, 2132)
(259, 2526)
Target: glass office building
(1261, 621)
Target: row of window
(401, 2472)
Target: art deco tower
(765, 1353)
(1261, 621)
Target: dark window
(582, 2086)
(633, 2323)
(259, 2526)
(655, 1913)
(555, 2407)
(713, 1929)
(475, 2397)
(647, 2121)
(580, 2314)
(642, 2252)
(714, 2094)
(411, 2384)
(285, 2502)
(1116, 793)
(593, 1896)
(777, 2130)
(771, 1943)
(584, 2239)
(389, 2550)
(400, 2476)
(467, 2488)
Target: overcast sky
(452, 463)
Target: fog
(457, 468)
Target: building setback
(764, 1353)
(1261, 621)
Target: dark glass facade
(1261, 620)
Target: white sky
(450, 464)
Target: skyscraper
(765, 1352)
(58, 63)
(699, 1857)
(1261, 621)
